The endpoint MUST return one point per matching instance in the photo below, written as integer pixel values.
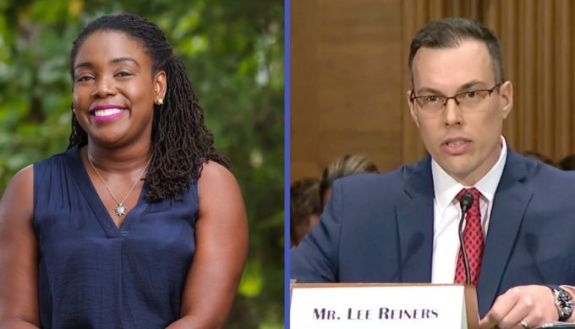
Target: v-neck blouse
(94, 274)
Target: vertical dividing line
(287, 162)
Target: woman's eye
(123, 74)
(84, 78)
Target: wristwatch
(563, 301)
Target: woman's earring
(160, 101)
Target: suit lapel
(509, 205)
(415, 223)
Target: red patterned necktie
(472, 239)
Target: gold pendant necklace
(120, 208)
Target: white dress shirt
(447, 213)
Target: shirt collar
(446, 188)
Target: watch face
(564, 296)
(564, 303)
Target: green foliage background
(234, 54)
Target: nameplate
(371, 306)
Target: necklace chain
(120, 208)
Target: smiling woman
(138, 224)
(115, 88)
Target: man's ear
(506, 97)
(412, 108)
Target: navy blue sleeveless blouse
(93, 274)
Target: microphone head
(466, 201)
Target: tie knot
(473, 191)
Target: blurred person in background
(349, 164)
(567, 163)
(305, 208)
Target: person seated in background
(567, 163)
(402, 226)
(305, 208)
(349, 164)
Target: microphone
(465, 203)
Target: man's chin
(460, 171)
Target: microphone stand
(465, 203)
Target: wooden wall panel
(354, 105)
(304, 115)
(537, 42)
(563, 70)
(412, 147)
(350, 76)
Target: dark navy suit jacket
(379, 228)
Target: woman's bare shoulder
(219, 192)
(214, 172)
(20, 191)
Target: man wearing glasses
(519, 228)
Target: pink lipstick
(108, 112)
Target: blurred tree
(234, 54)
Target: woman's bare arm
(222, 243)
(18, 255)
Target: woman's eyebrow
(124, 59)
(113, 61)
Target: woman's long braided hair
(180, 140)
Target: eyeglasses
(466, 101)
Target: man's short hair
(449, 32)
